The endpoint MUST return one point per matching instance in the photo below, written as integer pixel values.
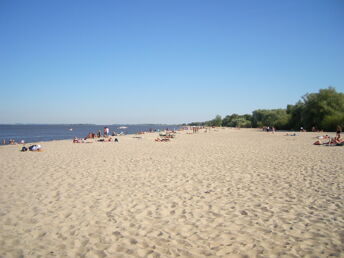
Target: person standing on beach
(106, 131)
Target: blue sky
(163, 61)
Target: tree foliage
(278, 118)
(323, 110)
(217, 121)
(236, 120)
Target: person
(338, 140)
(76, 140)
(35, 147)
(331, 142)
(338, 131)
(106, 131)
(4, 142)
(99, 134)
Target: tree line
(323, 110)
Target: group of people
(108, 140)
(165, 137)
(269, 129)
(35, 147)
(12, 142)
(331, 141)
(195, 129)
(78, 140)
(106, 133)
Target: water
(37, 133)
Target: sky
(164, 61)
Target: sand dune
(225, 193)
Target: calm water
(35, 133)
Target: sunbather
(332, 142)
(77, 140)
(162, 140)
(35, 147)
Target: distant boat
(70, 129)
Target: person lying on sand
(318, 142)
(162, 139)
(35, 147)
(77, 140)
(338, 140)
(108, 140)
(323, 137)
(332, 141)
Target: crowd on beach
(167, 135)
(105, 137)
(108, 137)
(322, 140)
(11, 142)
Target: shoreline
(42, 133)
(132, 134)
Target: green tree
(217, 121)
(278, 118)
(236, 120)
(323, 110)
(295, 115)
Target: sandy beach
(224, 193)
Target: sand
(225, 193)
